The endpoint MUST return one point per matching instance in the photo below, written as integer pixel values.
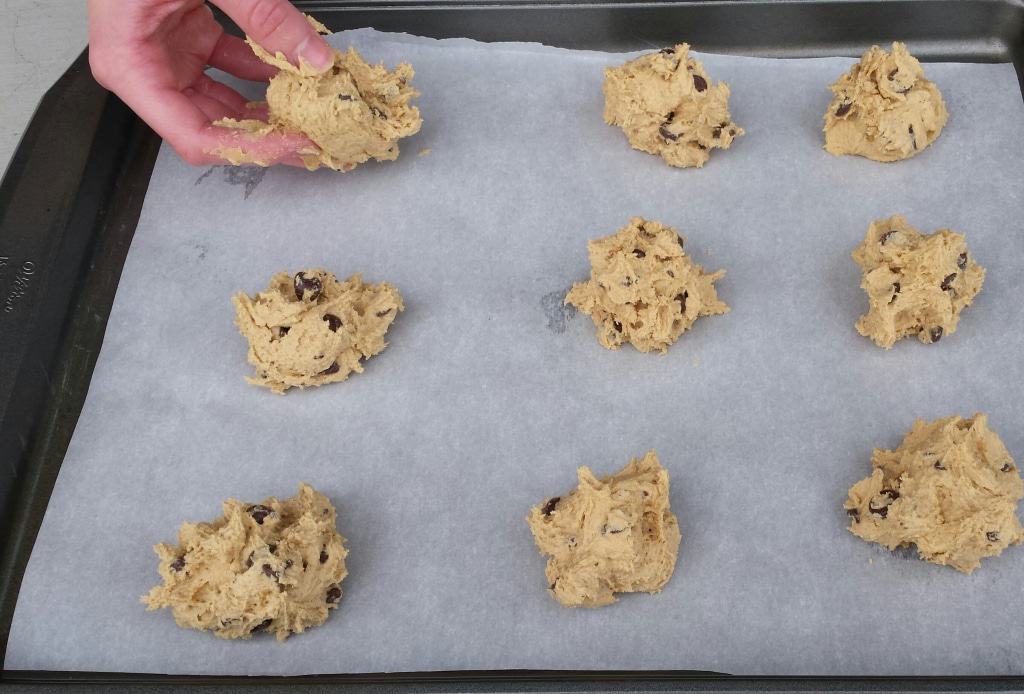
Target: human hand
(153, 53)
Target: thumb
(279, 27)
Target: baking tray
(72, 194)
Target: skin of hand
(153, 55)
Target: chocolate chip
(853, 513)
(947, 282)
(961, 261)
(679, 240)
(1006, 467)
(732, 131)
(681, 298)
(283, 330)
(272, 548)
(178, 564)
(344, 97)
(884, 238)
(605, 530)
(699, 83)
(939, 465)
(324, 556)
(248, 562)
(891, 493)
(668, 50)
(992, 536)
(638, 253)
(667, 134)
(262, 626)
(701, 147)
(716, 133)
(259, 513)
(935, 333)
(333, 322)
(287, 564)
(895, 290)
(882, 511)
(893, 72)
(333, 595)
(844, 109)
(377, 112)
(550, 505)
(381, 314)
(269, 572)
(910, 129)
(618, 325)
(330, 370)
(305, 284)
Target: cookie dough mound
(310, 329)
(353, 111)
(917, 284)
(643, 288)
(951, 488)
(615, 535)
(275, 566)
(884, 108)
(667, 105)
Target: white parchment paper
(491, 394)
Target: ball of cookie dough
(884, 108)
(667, 105)
(353, 111)
(615, 535)
(917, 284)
(643, 288)
(310, 329)
(273, 567)
(951, 489)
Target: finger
(187, 128)
(233, 55)
(207, 86)
(211, 108)
(279, 27)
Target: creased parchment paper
(491, 394)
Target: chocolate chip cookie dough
(310, 329)
(884, 108)
(271, 567)
(353, 111)
(917, 284)
(643, 288)
(615, 535)
(667, 105)
(951, 489)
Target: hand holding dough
(352, 111)
(951, 488)
(270, 567)
(884, 108)
(614, 535)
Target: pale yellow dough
(917, 284)
(614, 535)
(951, 488)
(310, 329)
(270, 567)
(643, 289)
(884, 108)
(353, 111)
(667, 105)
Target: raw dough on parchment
(275, 566)
(917, 284)
(643, 288)
(884, 108)
(951, 488)
(609, 536)
(667, 105)
(311, 329)
(352, 111)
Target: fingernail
(316, 52)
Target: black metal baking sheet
(73, 191)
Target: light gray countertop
(38, 41)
